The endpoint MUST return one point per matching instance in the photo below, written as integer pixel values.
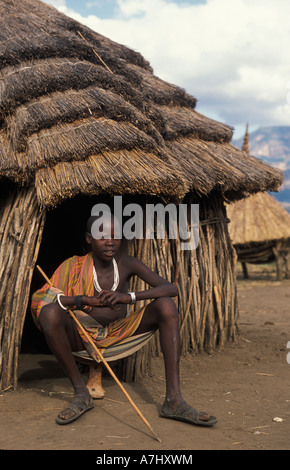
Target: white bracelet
(133, 297)
(59, 302)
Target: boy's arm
(160, 287)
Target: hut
(260, 229)
(84, 119)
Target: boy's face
(101, 239)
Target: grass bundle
(208, 166)
(109, 172)
(74, 105)
(258, 218)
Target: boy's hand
(113, 297)
(107, 298)
(93, 301)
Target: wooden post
(245, 270)
(279, 260)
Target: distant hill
(272, 145)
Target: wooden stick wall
(20, 236)
(206, 280)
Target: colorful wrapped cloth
(75, 277)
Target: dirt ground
(246, 385)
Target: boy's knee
(166, 307)
(49, 316)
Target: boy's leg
(62, 338)
(162, 313)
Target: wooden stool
(94, 383)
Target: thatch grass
(71, 106)
(52, 34)
(209, 166)
(30, 80)
(180, 122)
(69, 96)
(257, 219)
(92, 177)
(81, 139)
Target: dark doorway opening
(63, 237)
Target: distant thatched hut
(83, 119)
(260, 229)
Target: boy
(96, 288)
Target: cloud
(57, 3)
(231, 55)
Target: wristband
(79, 302)
(59, 302)
(133, 297)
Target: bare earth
(246, 386)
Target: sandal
(79, 406)
(188, 414)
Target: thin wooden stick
(97, 55)
(106, 364)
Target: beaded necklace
(116, 278)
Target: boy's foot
(78, 406)
(188, 414)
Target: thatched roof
(80, 113)
(257, 219)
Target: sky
(232, 55)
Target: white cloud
(56, 3)
(231, 54)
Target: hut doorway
(63, 236)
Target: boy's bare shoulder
(131, 262)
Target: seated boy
(96, 287)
